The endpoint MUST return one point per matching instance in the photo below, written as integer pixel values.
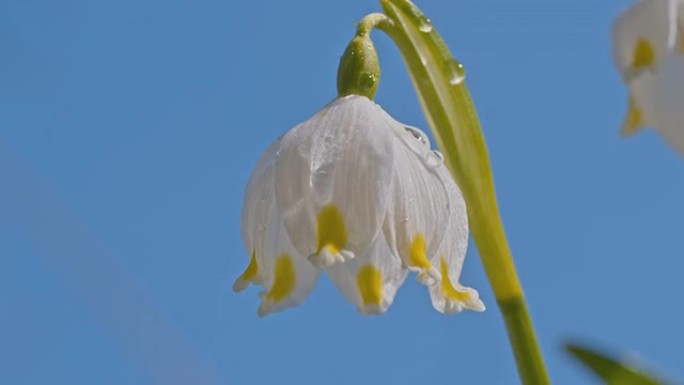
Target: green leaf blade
(610, 370)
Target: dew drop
(416, 135)
(366, 81)
(456, 71)
(434, 159)
(424, 24)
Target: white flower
(355, 193)
(648, 50)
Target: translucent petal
(419, 208)
(256, 209)
(257, 212)
(449, 296)
(659, 99)
(643, 35)
(333, 178)
(668, 99)
(287, 277)
(370, 281)
(642, 111)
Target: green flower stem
(359, 69)
(438, 79)
(370, 21)
(527, 353)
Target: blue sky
(128, 130)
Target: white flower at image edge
(363, 197)
(648, 50)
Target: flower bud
(359, 70)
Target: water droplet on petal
(424, 24)
(434, 159)
(439, 154)
(456, 71)
(417, 135)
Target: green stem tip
(359, 70)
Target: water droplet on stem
(424, 24)
(456, 71)
(366, 81)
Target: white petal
(668, 98)
(287, 277)
(333, 178)
(371, 280)
(642, 111)
(449, 296)
(257, 211)
(455, 241)
(258, 192)
(643, 35)
(419, 209)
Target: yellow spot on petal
(634, 119)
(285, 279)
(369, 281)
(417, 252)
(252, 269)
(331, 232)
(644, 54)
(448, 289)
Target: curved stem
(370, 21)
(439, 82)
(359, 69)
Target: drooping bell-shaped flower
(648, 50)
(357, 194)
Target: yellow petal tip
(369, 281)
(633, 121)
(456, 296)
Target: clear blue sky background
(129, 128)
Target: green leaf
(610, 370)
